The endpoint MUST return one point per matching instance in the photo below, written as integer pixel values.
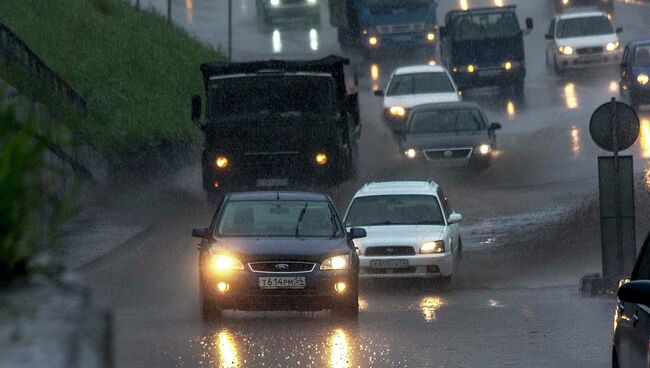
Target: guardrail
(14, 51)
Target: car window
(642, 57)
(445, 203)
(446, 121)
(278, 219)
(420, 83)
(395, 210)
(585, 26)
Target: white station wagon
(411, 231)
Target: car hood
(591, 41)
(400, 235)
(442, 141)
(282, 249)
(410, 101)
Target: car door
(452, 229)
(633, 321)
(625, 70)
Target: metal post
(169, 11)
(137, 4)
(230, 30)
(617, 193)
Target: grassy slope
(135, 71)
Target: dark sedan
(632, 320)
(635, 69)
(453, 133)
(277, 251)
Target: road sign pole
(169, 11)
(230, 30)
(617, 199)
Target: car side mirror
(379, 93)
(619, 30)
(495, 126)
(196, 108)
(455, 218)
(199, 232)
(637, 292)
(357, 233)
(529, 24)
(443, 32)
(548, 37)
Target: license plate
(390, 263)
(489, 73)
(273, 182)
(282, 282)
(401, 38)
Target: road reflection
(313, 39)
(189, 9)
(464, 4)
(276, 41)
(340, 350)
(510, 109)
(613, 86)
(227, 350)
(570, 97)
(644, 138)
(430, 306)
(576, 145)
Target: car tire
(210, 310)
(556, 67)
(615, 359)
(348, 308)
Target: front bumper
(452, 157)
(488, 76)
(420, 266)
(579, 61)
(245, 293)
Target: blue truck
(385, 25)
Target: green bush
(136, 72)
(31, 212)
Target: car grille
(389, 251)
(449, 154)
(401, 28)
(285, 267)
(590, 50)
(269, 163)
(389, 270)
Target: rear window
(420, 83)
(581, 27)
(446, 121)
(385, 210)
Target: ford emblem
(282, 266)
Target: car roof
(277, 195)
(414, 69)
(398, 188)
(581, 14)
(446, 106)
(639, 43)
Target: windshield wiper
(300, 217)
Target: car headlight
(336, 263)
(612, 46)
(432, 247)
(566, 50)
(397, 111)
(411, 153)
(642, 78)
(471, 68)
(221, 162)
(373, 41)
(321, 159)
(275, 2)
(484, 149)
(507, 65)
(220, 263)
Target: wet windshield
(278, 219)
(271, 95)
(390, 6)
(642, 57)
(395, 210)
(446, 121)
(488, 25)
(420, 83)
(581, 27)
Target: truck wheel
(518, 85)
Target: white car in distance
(411, 231)
(412, 86)
(578, 40)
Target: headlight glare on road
(612, 46)
(221, 162)
(484, 149)
(411, 153)
(336, 263)
(432, 247)
(220, 263)
(642, 79)
(566, 50)
(397, 111)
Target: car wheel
(556, 67)
(615, 359)
(348, 308)
(210, 310)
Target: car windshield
(420, 83)
(485, 25)
(271, 95)
(642, 57)
(585, 26)
(445, 121)
(395, 6)
(278, 219)
(383, 210)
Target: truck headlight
(566, 50)
(431, 36)
(484, 149)
(220, 263)
(612, 46)
(373, 41)
(321, 159)
(336, 263)
(507, 65)
(397, 111)
(642, 79)
(471, 68)
(221, 162)
(432, 247)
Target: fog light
(221, 162)
(471, 68)
(321, 159)
(373, 41)
(340, 287)
(431, 36)
(223, 287)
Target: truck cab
(485, 47)
(277, 124)
(385, 25)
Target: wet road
(546, 167)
